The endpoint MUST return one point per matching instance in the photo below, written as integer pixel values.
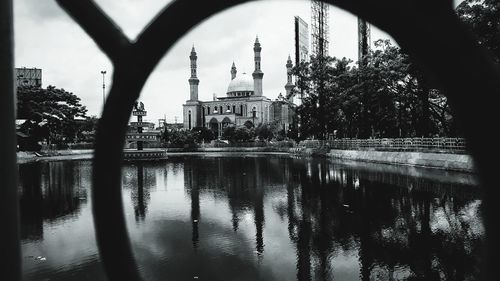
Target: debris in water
(40, 258)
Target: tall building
(28, 77)
(301, 40)
(320, 28)
(244, 104)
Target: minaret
(233, 71)
(193, 81)
(257, 74)
(193, 116)
(289, 84)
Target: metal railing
(448, 145)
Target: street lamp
(103, 72)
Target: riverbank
(65, 154)
(445, 161)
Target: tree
(51, 108)
(483, 19)
(385, 96)
(264, 132)
(228, 133)
(243, 134)
(87, 129)
(203, 134)
(182, 138)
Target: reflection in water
(49, 192)
(140, 179)
(276, 218)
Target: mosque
(244, 103)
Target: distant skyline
(47, 38)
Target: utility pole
(103, 72)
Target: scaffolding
(320, 29)
(364, 40)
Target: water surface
(258, 217)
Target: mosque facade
(244, 103)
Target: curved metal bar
(103, 30)
(428, 31)
(10, 251)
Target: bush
(182, 138)
(239, 134)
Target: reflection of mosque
(49, 192)
(244, 190)
(394, 229)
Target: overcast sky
(46, 38)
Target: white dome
(242, 83)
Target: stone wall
(454, 162)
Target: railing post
(10, 253)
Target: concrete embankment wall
(230, 149)
(454, 162)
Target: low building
(28, 77)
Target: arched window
(203, 117)
(208, 110)
(189, 120)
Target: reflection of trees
(49, 191)
(400, 226)
(392, 224)
(31, 201)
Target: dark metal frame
(428, 30)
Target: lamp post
(103, 72)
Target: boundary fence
(442, 145)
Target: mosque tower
(192, 114)
(257, 74)
(289, 84)
(233, 71)
(193, 81)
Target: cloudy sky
(47, 38)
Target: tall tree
(386, 97)
(51, 108)
(483, 19)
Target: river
(258, 217)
